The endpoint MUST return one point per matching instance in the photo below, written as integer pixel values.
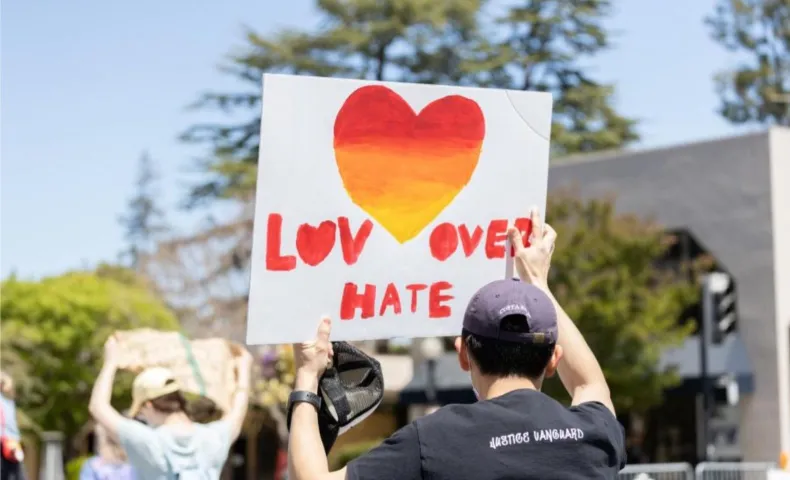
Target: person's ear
(463, 356)
(554, 361)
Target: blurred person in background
(515, 334)
(635, 442)
(169, 445)
(110, 462)
(12, 454)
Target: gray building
(733, 196)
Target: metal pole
(706, 330)
(52, 457)
(431, 390)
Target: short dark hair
(501, 358)
(170, 403)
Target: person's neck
(496, 387)
(179, 418)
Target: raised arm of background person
(579, 370)
(241, 398)
(99, 406)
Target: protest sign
(385, 205)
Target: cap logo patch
(513, 309)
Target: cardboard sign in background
(384, 205)
(204, 367)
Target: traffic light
(724, 422)
(719, 415)
(726, 392)
(723, 303)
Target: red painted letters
(352, 301)
(313, 244)
(495, 239)
(365, 302)
(445, 238)
(470, 241)
(353, 244)
(415, 288)
(443, 241)
(436, 299)
(274, 233)
(391, 299)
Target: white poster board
(385, 205)
(778, 475)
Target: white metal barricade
(733, 471)
(657, 471)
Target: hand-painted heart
(402, 168)
(314, 243)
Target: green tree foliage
(544, 45)
(758, 90)
(607, 273)
(53, 332)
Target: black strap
(299, 396)
(332, 388)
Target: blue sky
(86, 86)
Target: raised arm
(579, 370)
(241, 398)
(99, 406)
(306, 456)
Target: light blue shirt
(10, 425)
(97, 469)
(162, 453)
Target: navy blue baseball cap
(506, 298)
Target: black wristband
(300, 396)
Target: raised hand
(533, 262)
(313, 357)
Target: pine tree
(144, 220)
(543, 48)
(365, 39)
(757, 91)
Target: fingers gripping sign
(532, 261)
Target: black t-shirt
(521, 435)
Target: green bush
(353, 450)
(74, 466)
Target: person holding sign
(169, 445)
(514, 335)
